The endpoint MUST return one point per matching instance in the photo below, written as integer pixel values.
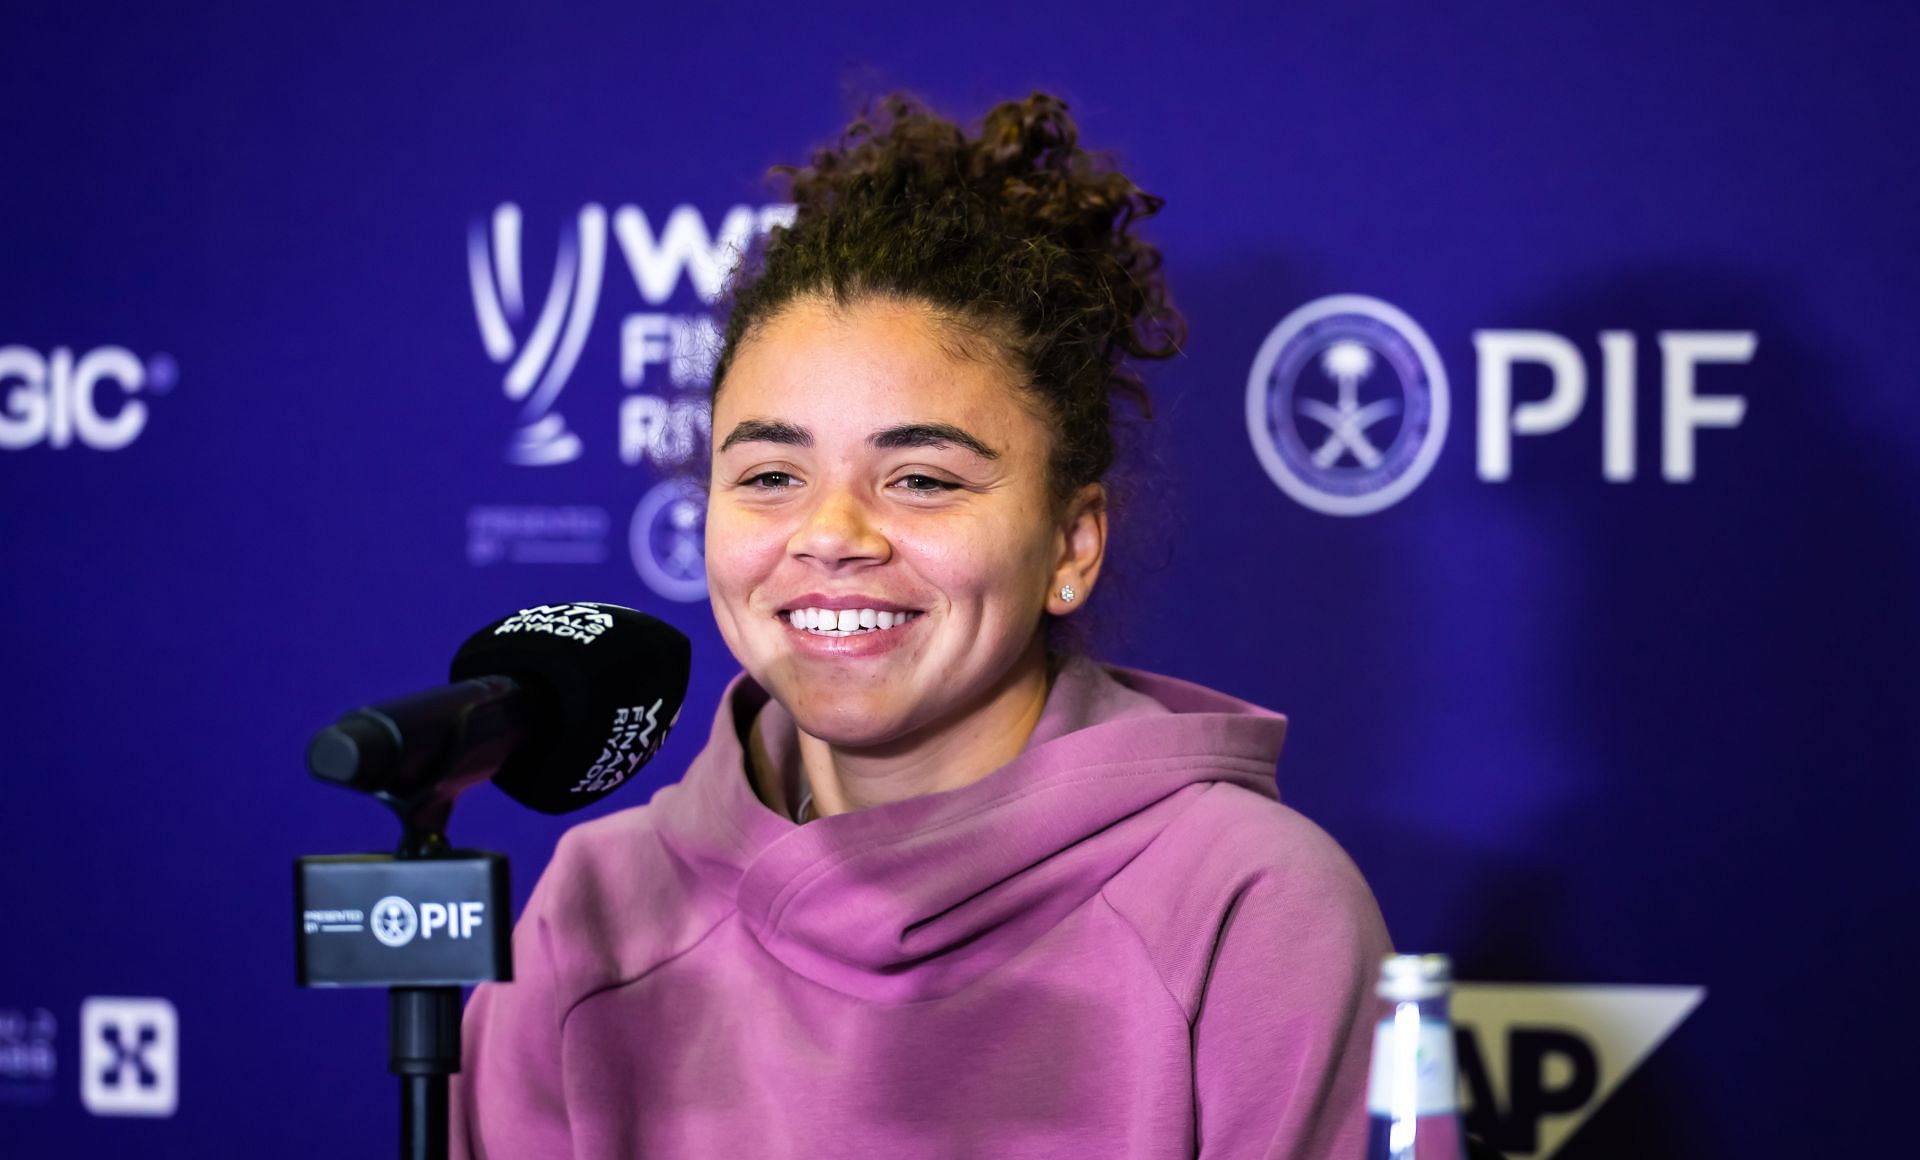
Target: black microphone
(560, 704)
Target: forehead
(869, 364)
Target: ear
(1083, 545)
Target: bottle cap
(1410, 978)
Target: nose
(838, 530)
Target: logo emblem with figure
(668, 538)
(1347, 405)
(539, 351)
(395, 922)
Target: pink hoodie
(1119, 944)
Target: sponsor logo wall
(1543, 446)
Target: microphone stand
(423, 1035)
(440, 919)
(427, 920)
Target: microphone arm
(419, 752)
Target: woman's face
(880, 541)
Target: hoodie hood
(914, 899)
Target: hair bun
(1017, 229)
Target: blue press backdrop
(1574, 731)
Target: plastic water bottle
(1413, 1094)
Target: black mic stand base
(425, 1033)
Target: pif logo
(1537, 1061)
(1347, 401)
(129, 1057)
(396, 921)
(1347, 405)
(61, 398)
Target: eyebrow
(905, 435)
(930, 435)
(768, 431)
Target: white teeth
(845, 622)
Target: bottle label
(1413, 1070)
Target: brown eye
(769, 480)
(924, 483)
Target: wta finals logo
(539, 360)
(1347, 405)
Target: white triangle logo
(1551, 1055)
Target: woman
(936, 887)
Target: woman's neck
(943, 756)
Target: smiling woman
(864, 466)
(935, 887)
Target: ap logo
(129, 1057)
(1537, 1061)
(1347, 405)
(539, 361)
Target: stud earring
(1067, 594)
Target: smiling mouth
(845, 622)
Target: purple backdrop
(264, 458)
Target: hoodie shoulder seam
(1140, 936)
(1146, 951)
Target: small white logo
(539, 363)
(129, 1057)
(1537, 1061)
(394, 921)
(582, 622)
(1374, 440)
(668, 540)
(631, 743)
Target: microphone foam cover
(604, 684)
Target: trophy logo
(1347, 405)
(538, 351)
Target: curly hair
(1017, 235)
